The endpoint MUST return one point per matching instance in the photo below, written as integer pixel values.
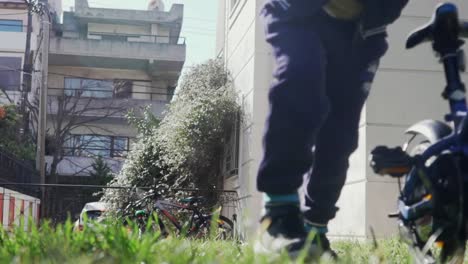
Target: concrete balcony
(106, 108)
(156, 55)
(82, 166)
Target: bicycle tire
(452, 253)
(230, 225)
(156, 224)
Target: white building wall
(14, 14)
(240, 51)
(13, 44)
(407, 89)
(119, 29)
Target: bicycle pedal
(394, 215)
(390, 161)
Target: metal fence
(13, 170)
(65, 199)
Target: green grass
(116, 244)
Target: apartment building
(13, 27)
(17, 202)
(407, 89)
(13, 31)
(102, 63)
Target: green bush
(185, 148)
(11, 141)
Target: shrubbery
(10, 140)
(185, 148)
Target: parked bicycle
(432, 206)
(198, 225)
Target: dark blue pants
(322, 79)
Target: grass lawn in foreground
(116, 244)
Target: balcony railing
(106, 104)
(91, 152)
(82, 166)
(106, 53)
(112, 94)
(137, 38)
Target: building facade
(407, 88)
(102, 63)
(13, 31)
(19, 202)
(13, 28)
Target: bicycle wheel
(153, 224)
(453, 253)
(225, 227)
(450, 195)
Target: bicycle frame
(447, 44)
(162, 205)
(431, 206)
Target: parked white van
(94, 212)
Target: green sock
(281, 199)
(317, 228)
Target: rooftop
(84, 11)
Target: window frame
(74, 148)
(13, 74)
(231, 151)
(4, 25)
(87, 93)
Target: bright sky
(199, 26)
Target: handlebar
(444, 30)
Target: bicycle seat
(193, 199)
(444, 29)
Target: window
(231, 151)
(10, 74)
(115, 37)
(96, 145)
(81, 87)
(123, 88)
(89, 88)
(120, 147)
(11, 25)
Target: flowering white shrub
(184, 149)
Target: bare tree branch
(82, 169)
(6, 95)
(92, 127)
(69, 112)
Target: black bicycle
(155, 214)
(432, 207)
